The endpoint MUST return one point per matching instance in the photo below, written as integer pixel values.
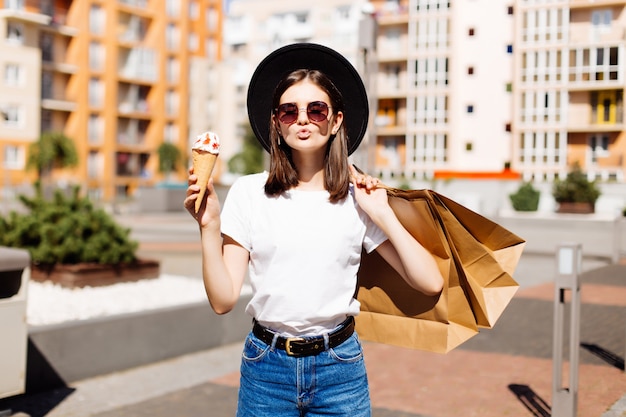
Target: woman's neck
(310, 174)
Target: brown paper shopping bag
(488, 254)
(394, 313)
(476, 258)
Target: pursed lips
(303, 134)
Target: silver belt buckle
(288, 344)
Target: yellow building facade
(113, 76)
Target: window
(470, 108)
(302, 17)
(598, 147)
(212, 19)
(343, 12)
(13, 157)
(95, 92)
(14, 4)
(172, 70)
(509, 10)
(471, 32)
(601, 20)
(47, 7)
(172, 7)
(15, 33)
(96, 56)
(172, 38)
(509, 49)
(94, 164)
(13, 74)
(470, 70)
(507, 127)
(11, 115)
(192, 42)
(94, 129)
(194, 10)
(211, 49)
(47, 85)
(171, 102)
(46, 43)
(96, 20)
(469, 146)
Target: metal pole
(565, 398)
(617, 239)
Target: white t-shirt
(305, 253)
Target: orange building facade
(113, 76)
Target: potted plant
(526, 198)
(575, 194)
(72, 243)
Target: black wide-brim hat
(292, 57)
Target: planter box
(579, 208)
(95, 275)
(60, 354)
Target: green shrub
(66, 230)
(575, 188)
(526, 198)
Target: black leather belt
(305, 346)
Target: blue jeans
(274, 384)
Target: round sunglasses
(316, 111)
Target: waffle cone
(203, 163)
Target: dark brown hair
(283, 174)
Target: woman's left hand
(372, 199)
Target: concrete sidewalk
(504, 371)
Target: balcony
(132, 29)
(129, 164)
(596, 66)
(581, 4)
(53, 92)
(391, 51)
(596, 111)
(24, 16)
(133, 100)
(138, 64)
(390, 119)
(131, 133)
(58, 104)
(61, 67)
(392, 14)
(392, 81)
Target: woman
(300, 230)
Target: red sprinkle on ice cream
(208, 142)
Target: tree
(169, 158)
(251, 158)
(52, 151)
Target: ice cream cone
(203, 163)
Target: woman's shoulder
(251, 181)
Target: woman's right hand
(208, 215)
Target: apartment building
(443, 88)
(569, 81)
(19, 89)
(114, 76)
(473, 88)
